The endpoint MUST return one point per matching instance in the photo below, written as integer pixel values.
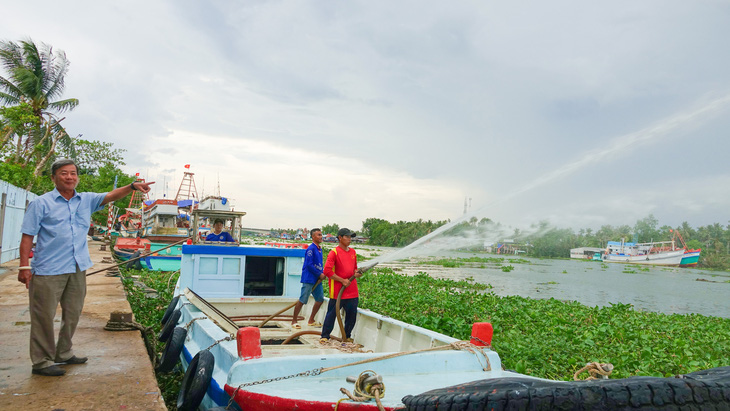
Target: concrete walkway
(118, 375)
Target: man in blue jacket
(311, 272)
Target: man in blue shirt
(311, 272)
(59, 219)
(218, 234)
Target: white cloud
(400, 110)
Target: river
(669, 290)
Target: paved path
(118, 375)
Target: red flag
(187, 165)
(136, 175)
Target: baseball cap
(346, 231)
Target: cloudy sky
(315, 112)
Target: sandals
(296, 326)
(315, 324)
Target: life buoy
(173, 348)
(705, 388)
(170, 309)
(169, 326)
(195, 382)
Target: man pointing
(60, 220)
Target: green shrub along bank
(148, 311)
(550, 338)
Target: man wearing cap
(59, 220)
(341, 269)
(311, 274)
(218, 234)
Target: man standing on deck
(59, 219)
(341, 269)
(311, 272)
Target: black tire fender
(169, 326)
(195, 382)
(708, 388)
(173, 348)
(136, 264)
(170, 309)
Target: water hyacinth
(551, 338)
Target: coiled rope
(596, 370)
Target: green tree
(330, 229)
(646, 229)
(35, 78)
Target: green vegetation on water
(148, 311)
(550, 338)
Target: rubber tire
(195, 382)
(169, 326)
(170, 309)
(708, 389)
(136, 264)
(173, 348)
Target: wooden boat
(656, 253)
(160, 222)
(215, 327)
(124, 247)
(690, 258)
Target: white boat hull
(668, 258)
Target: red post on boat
(481, 334)
(248, 340)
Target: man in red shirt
(341, 269)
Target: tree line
(542, 240)
(32, 135)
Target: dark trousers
(350, 307)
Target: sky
(308, 113)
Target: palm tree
(36, 78)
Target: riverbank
(118, 375)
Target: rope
(596, 370)
(366, 392)
(458, 345)
(346, 347)
(131, 326)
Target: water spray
(619, 144)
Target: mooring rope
(131, 326)
(596, 370)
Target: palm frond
(63, 105)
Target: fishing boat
(228, 328)
(690, 258)
(161, 223)
(125, 247)
(663, 253)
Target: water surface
(667, 290)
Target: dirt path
(118, 375)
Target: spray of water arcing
(462, 237)
(619, 145)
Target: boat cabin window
(264, 276)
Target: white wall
(13, 201)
